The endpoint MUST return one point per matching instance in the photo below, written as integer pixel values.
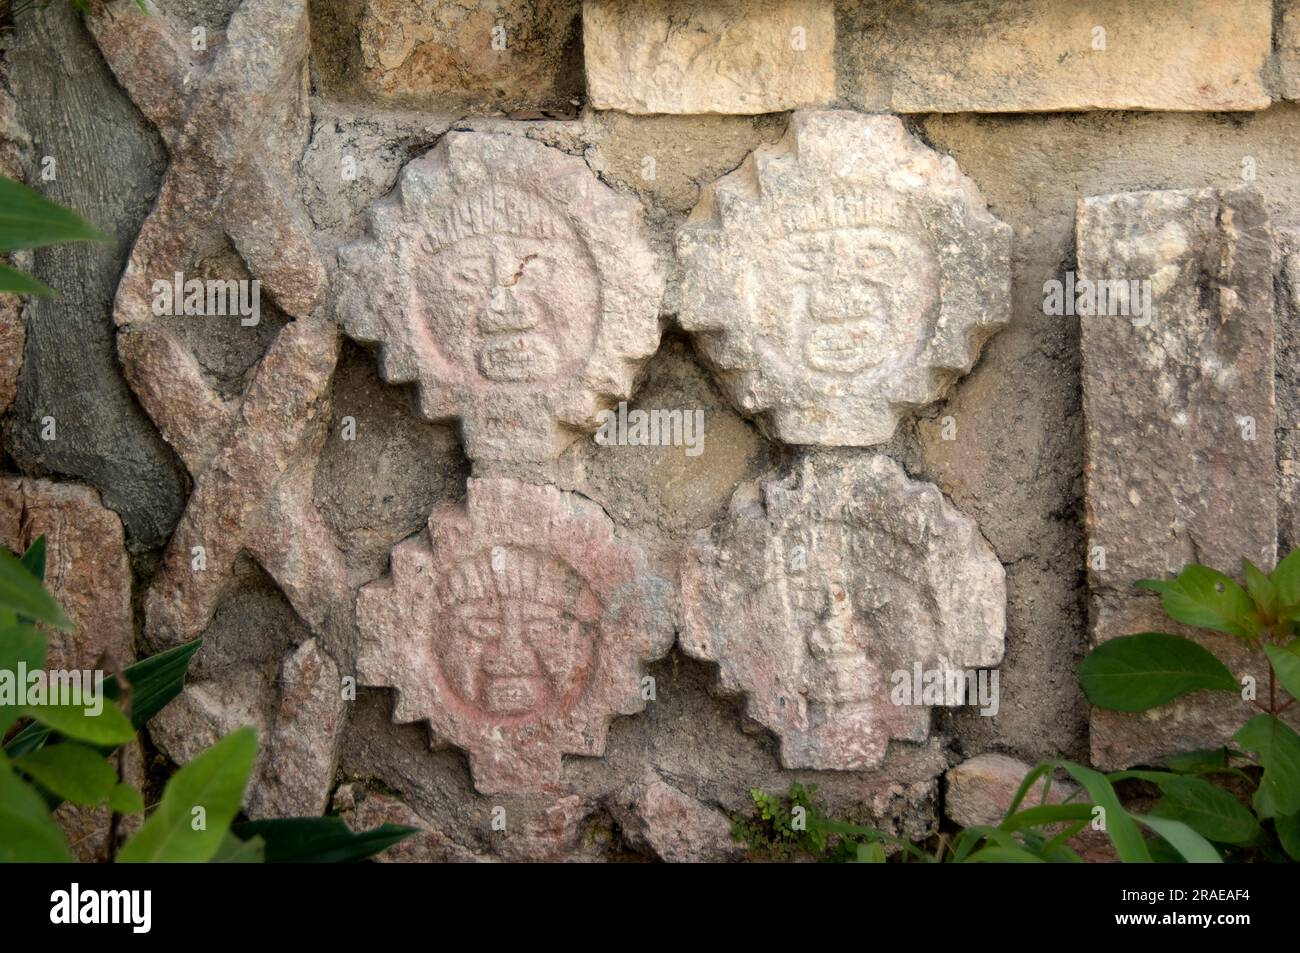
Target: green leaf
(1207, 809)
(1139, 672)
(1204, 761)
(1207, 599)
(125, 799)
(1120, 827)
(30, 220)
(873, 853)
(1285, 660)
(73, 772)
(27, 832)
(34, 559)
(320, 840)
(1194, 848)
(1278, 748)
(1286, 579)
(1288, 834)
(236, 851)
(1261, 589)
(213, 781)
(1045, 814)
(108, 727)
(13, 281)
(22, 648)
(1003, 855)
(22, 593)
(155, 682)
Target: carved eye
(482, 629)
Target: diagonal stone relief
(513, 286)
(841, 278)
(517, 627)
(815, 591)
(233, 123)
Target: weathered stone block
(1178, 404)
(86, 567)
(503, 54)
(725, 56)
(1046, 55)
(813, 596)
(513, 286)
(1288, 48)
(841, 278)
(674, 826)
(517, 627)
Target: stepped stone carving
(517, 627)
(841, 278)
(512, 285)
(811, 597)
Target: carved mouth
(839, 348)
(510, 695)
(524, 357)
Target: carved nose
(509, 656)
(505, 312)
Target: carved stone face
(524, 307)
(851, 299)
(509, 645)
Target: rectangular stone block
(1179, 418)
(512, 55)
(1288, 48)
(1050, 55)
(729, 56)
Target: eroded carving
(841, 277)
(810, 598)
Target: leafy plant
(29, 220)
(62, 754)
(1135, 673)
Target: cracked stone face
(517, 627)
(512, 285)
(842, 277)
(810, 597)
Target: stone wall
(411, 502)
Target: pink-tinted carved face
(511, 645)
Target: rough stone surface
(15, 145)
(1179, 412)
(1288, 48)
(107, 164)
(86, 568)
(517, 628)
(841, 278)
(512, 285)
(926, 56)
(726, 56)
(365, 810)
(302, 747)
(981, 789)
(520, 57)
(1288, 390)
(810, 597)
(674, 826)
